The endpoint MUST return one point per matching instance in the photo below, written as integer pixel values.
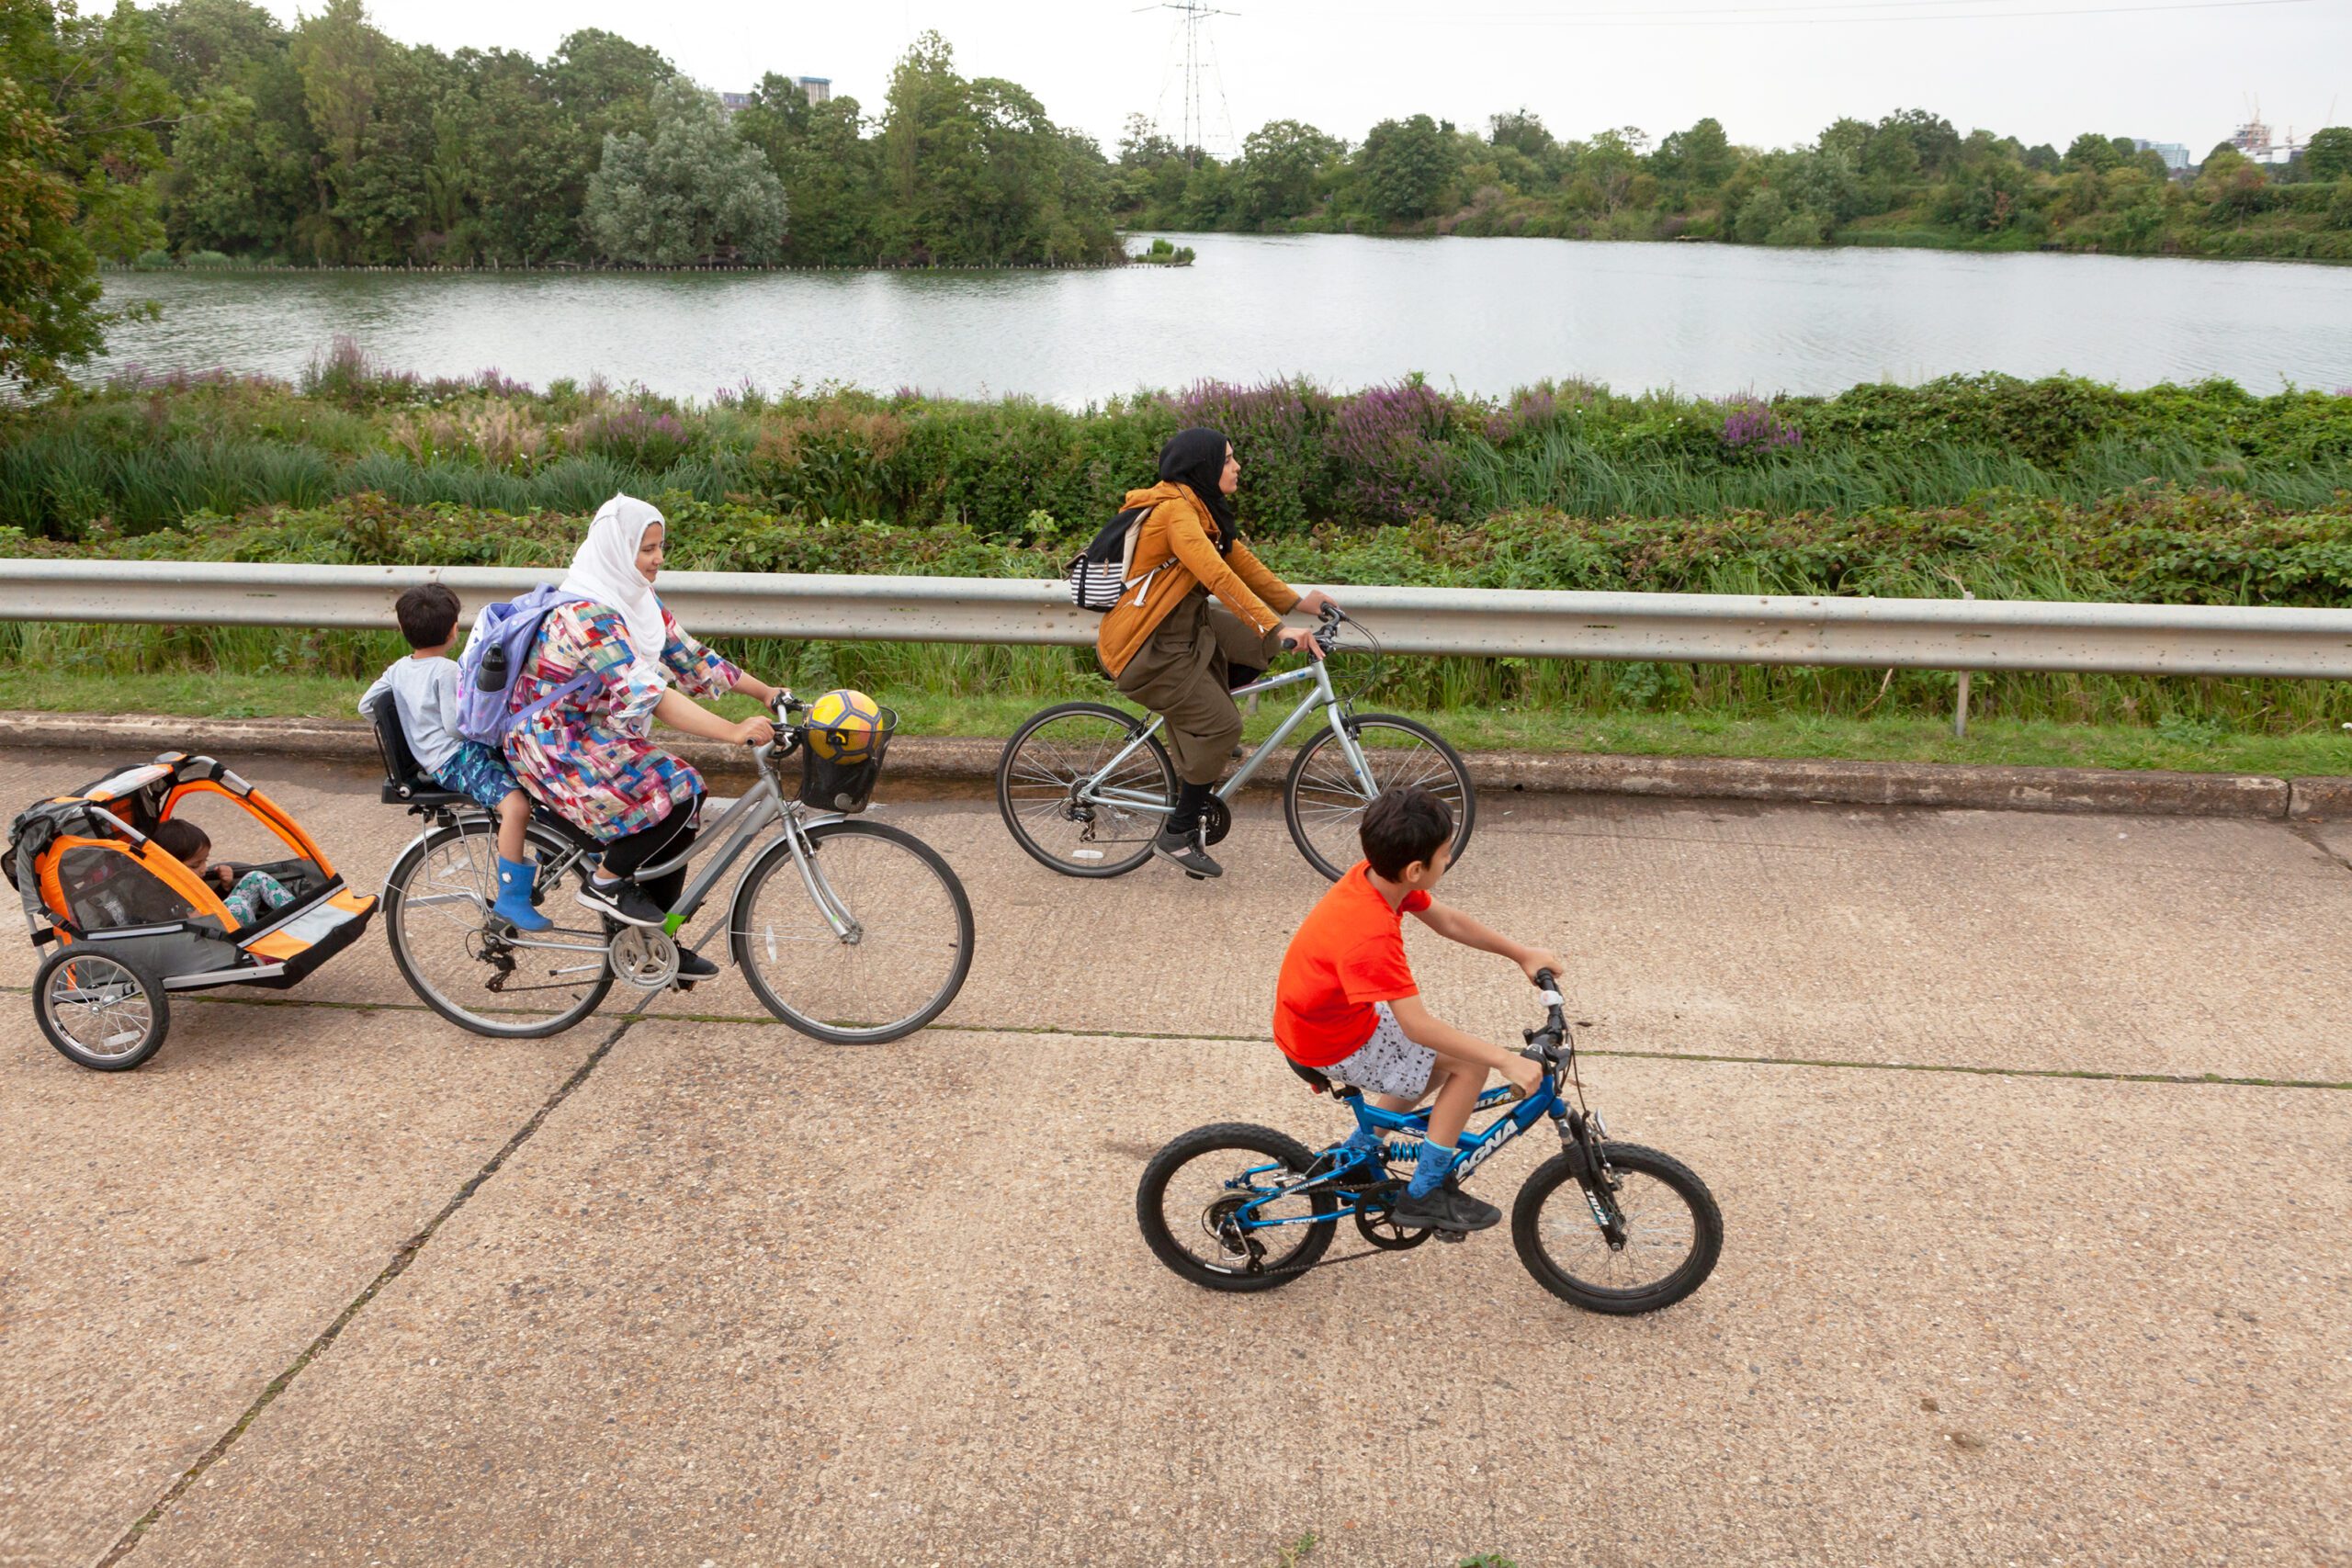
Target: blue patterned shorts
(477, 772)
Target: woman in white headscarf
(587, 755)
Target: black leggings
(659, 843)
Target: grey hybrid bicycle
(1085, 787)
(851, 931)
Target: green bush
(142, 451)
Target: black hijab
(1196, 459)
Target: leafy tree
(1280, 163)
(2328, 154)
(1404, 168)
(2095, 154)
(1521, 131)
(1701, 157)
(203, 44)
(820, 154)
(79, 110)
(692, 192)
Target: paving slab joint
(406, 1254)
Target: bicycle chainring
(1376, 1223)
(644, 957)
(1217, 820)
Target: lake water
(1484, 314)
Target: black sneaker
(1189, 852)
(693, 965)
(623, 901)
(1447, 1208)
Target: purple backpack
(503, 638)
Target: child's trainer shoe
(1446, 1208)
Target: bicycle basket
(844, 781)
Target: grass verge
(2012, 742)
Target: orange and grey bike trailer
(129, 924)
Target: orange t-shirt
(1348, 954)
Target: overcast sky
(1772, 70)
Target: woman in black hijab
(1167, 648)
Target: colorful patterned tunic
(586, 756)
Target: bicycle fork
(847, 926)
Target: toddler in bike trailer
(1347, 1009)
(246, 895)
(425, 688)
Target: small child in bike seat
(249, 895)
(424, 689)
(1347, 1007)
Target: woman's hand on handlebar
(1303, 642)
(1315, 601)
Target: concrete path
(331, 1281)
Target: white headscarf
(605, 570)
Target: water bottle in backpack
(495, 656)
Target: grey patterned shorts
(1387, 1063)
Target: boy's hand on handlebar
(1524, 1074)
(1533, 961)
(1304, 642)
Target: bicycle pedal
(1452, 1235)
(1195, 876)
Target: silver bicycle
(1085, 787)
(851, 931)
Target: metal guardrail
(1929, 633)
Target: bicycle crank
(644, 957)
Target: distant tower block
(816, 89)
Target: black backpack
(1098, 574)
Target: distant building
(2175, 156)
(816, 89)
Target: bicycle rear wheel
(1323, 798)
(1674, 1233)
(512, 985)
(1190, 1205)
(1037, 784)
(900, 964)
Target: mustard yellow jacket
(1178, 548)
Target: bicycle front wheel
(1323, 799)
(1673, 1233)
(1102, 829)
(502, 983)
(869, 946)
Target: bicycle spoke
(438, 919)
(909, 946)
(1053, 787)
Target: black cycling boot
(1447, 1208)
(1183, 842)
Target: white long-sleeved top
(425, 690)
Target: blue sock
(1436, 1160)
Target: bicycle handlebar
(1545, 1044)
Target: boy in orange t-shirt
(1347, 1007)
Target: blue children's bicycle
(1612, 1227)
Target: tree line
(206, 131)
(1909, 178)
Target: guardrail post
(1959, 702)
